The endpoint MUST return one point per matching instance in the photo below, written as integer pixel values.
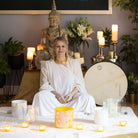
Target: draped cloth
(62, 79)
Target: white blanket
(89, 131)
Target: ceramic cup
(101, 116)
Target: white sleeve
(44, 80)
(79, 81)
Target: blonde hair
(62, 39)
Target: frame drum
(105, 80)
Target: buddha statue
(53, 31)
(49, 35)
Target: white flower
(81, 29)
(90, 31)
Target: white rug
(90, 128)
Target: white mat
(90, 129)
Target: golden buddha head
(54, 16)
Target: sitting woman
(62, 84)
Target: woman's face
(60, 48)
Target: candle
(40, 47)
(114, 32)
(6, 128)
(79, 126)
(42, 128)
(24, 124)
(123, 123)
(99, 34)
(100, 128)
(101, 41)
(77, 55)
(82, 60)
(30, 53)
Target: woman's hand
(69, 97)
(60, 98)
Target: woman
(62, 84)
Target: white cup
(101, 116)
(19, 108)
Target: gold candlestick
(114, 48)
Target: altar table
(112, 128)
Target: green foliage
(132, 82)
(130, 44)
(3, 66)
(128, 5)
(11, 47)
(129, 49)
(108, 37)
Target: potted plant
(108, 42)
(79, 34)
(3, 70)
(108, 38)
(132, 86)
(129, 49)
(129, 43)
(13, 50)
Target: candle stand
(112, 56)
(100, 56)
(114, 48)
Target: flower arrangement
(79, 32)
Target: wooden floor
(133, 106)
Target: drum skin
(105, 80)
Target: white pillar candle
(82, 60)
(77, 55)
(101, 41)
(114, 32)
(30, 53)
(99, 34)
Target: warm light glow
(24, 124)
(122, 123)
(101, 41)
(64, 117)
(100, 128)
(6, 128)
(40, 47)
(79, 126)
(42, 128)
(77, 55)
(99, 34)
(30, 53)
(114, 32)
(82, 60)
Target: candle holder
(100, 56)
(30, 57)
(30, 64)
(112, 56)
(114, 48)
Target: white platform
(90, 129)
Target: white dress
(62, 79)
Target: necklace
(61, 62)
